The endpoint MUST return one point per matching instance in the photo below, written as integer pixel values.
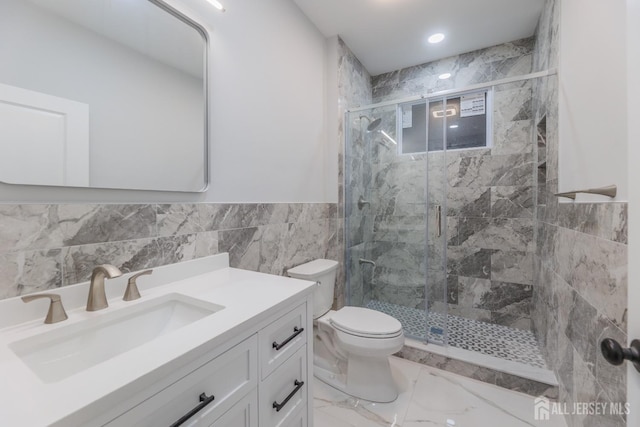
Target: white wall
(268, 112)
(592, 75)
(269, 140)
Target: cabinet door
(284, 394)
(242, 414)
(226, 378)
(297, 420)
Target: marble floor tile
(429, 397)
(440, 396)
(330, 404)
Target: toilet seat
(365, 323)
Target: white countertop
(247, 297)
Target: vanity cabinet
(242, 414)
(261, 382)
(285, 387)
(223, 381)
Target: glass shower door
(422, 141)
(395, 212)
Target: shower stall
(440, 196)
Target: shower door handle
(438, 220)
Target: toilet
(351, 345)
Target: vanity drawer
(227, 378)
(287, 388)
(281, 339)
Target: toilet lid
(365, 322)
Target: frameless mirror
(102, 94)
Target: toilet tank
(324, 272)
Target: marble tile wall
(580, 263)
(48, 246)
(493, 63)
(489, 198)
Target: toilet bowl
(351, 345)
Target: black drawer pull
(204, 401)
(277, 406)
(296, 331)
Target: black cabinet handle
(296, 331)
(277, 406)
(204, 401)
(615, 354)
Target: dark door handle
(204, 401)
(277, 406)
(615, 354)
(296, 331)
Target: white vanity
(206, 345)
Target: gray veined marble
(471, 171)
(511, 234)
(511, 170)
(29, 227)
(512, 202)
(512, 137)
(488, 64)
(175, 219)
(48, 246)
(512, 266)
(511, 382)
(509, 303)
(30, 271)
(605, 220)
(512, 102)
(469, 202)
(87, 224)
(130, 255)
(469, 261)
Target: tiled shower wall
(580, 264)
(47, 246)
(489, 200)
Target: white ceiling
(387, 35)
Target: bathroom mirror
(102, 94)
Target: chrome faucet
(97, 298)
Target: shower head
(373, 123)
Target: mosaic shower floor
(512, 344)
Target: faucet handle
(132, 291)
(56, 311)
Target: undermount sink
(56, 355)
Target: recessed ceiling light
(436, 38)
(444, 76)
(217, 5)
